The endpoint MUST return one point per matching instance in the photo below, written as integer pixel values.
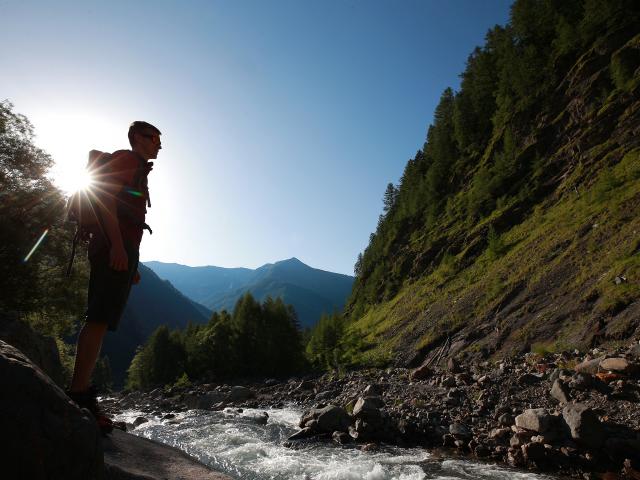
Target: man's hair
(141, 127)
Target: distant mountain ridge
(311, 291)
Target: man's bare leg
(87, 351)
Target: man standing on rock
(123, 197)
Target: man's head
(144, 139)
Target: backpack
(82, 206)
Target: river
(239, 445)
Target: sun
(68, 137)
(73, 179)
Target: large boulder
(204, 401)
(327, 419)
(239, 394)
(618, 365)
(534, 419)
(584, 425)
(368, 409)
(129, 457)
(41, 350)
(591, 366)
(46, 435)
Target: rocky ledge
(569, 413)
(47, 436)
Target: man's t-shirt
(126, 180)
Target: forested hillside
(516, 225)
(34, 241)
(254, 340)
(153, 302)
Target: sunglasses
(154, 138)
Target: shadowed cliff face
(556, 265)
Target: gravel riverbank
(572, 413)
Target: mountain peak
(293, 261)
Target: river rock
(560, 391)
(589, 366)
(618, 365)
(421, 373)
(368, 408)
(581, 381)
(448, 381)
(139, 421)
(528, 379)
(305, 385)
(459, 430)
(534, 419)
(533, 452)
(520, 438)
(341, 437)
(240, 394)
(500, 433)
(584, 425)
(260, 418)
(506, 419)
(129, 457)
(329, 419)
(205, 401)
(45, 434)
(453, 366)
(325, 395)
(372, 390)
(304, 433)
(634, 351)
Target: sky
(282, 121)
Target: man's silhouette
(113, 254)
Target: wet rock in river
(304, 433)
(205, 401)
(329, 419)
(325, 395)
(341, 437)
(240, 394)
(139, 421)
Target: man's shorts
(108, 288)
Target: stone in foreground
(130, 457)
(45, 435)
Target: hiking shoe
(88, 399)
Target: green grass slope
(554, 265)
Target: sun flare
(68, 137)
